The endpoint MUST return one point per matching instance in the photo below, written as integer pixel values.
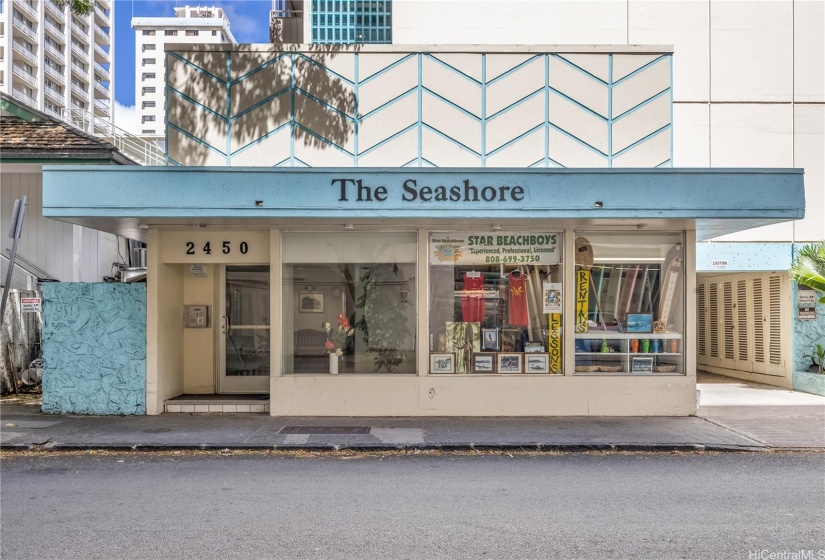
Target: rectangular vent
(742, 319)
(714, 321)
(775, 306)
(702, 319)
(758, 323)
(727, 310)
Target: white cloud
(126, 118)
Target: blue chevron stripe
(194, 138)
(642, 69)
(452, 103)
(387, 104)
(579, 68)
(387, 68)
(515, 104)
(642, 104)
(515, 68)
(196, 103)
(521, 136)
(259, 139)
(317, 136)
(257, 69)
(642, 140)
(451, 67)
(388, 139)
(578, 140)
(197, 68)
(449, 139)
(326, 69)
(264, 101)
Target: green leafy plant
(384, 318)
(818, 356)
(808, 269)
(80, 7)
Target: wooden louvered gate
(744, 322)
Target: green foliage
(384, 319)
(79, 7)
(808, 269)
(819, 356)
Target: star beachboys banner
(456, 248)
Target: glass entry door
(244, 329)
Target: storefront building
(417, 232)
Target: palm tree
(808, 269)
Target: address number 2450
(225, 248)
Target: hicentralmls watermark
(802, 554)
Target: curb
(459, 447)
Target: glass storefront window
(349, 302)
(630, 310)
(495, 302)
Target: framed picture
(489, 339)
(442, 362)
(639, 322)
(537, 363)
(641, 364)
(484, 362)
(533, 347)
(507, 362)
(311, 302)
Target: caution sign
(582, 299)
(31, 304)
(554, 341)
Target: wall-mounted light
(259, 203)
(598, 204)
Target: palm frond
(809, 267)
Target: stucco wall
(94, 348)
(806, 334)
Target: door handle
(225, 324)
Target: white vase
(333, 363)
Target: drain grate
(325, 430)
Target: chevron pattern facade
(353, 108)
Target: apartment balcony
(24, 97)
(54, 95)
(105, 4)
(54, 10)
(53, 113)
(101, 91)
(26, 8)
(54, 74)
(102, 109)
(80, 91)
(102, 72)
(80, 51)
(80, 30)
(25, 29)
(58, 53)
(24, 52)
(55, 32)
(101, 18)
(25, 75)
(101, 55)
(102, 36)
(80, 72)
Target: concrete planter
(808, 382)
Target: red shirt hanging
(518, 300)
(472, 298)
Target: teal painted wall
(806, 334)
(94, 348)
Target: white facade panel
(809, 153)
(691, 135)
(809, 51)
(486, 22)
(686, 26)
(751, 51)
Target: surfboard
(671, 286)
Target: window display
(494, 297)
(629, 303)
(349, 302)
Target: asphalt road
(422, 506)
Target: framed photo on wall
(484, 362)
(442, 362)
(489, 339)
(537, 363)
(509, 362)
(311, 302)
(641, 364)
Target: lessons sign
(499, 248)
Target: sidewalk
(784, 420)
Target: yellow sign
(582, 299)
(554, 341)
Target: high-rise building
(191, 24)
(53, 60)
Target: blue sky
(249, 22)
